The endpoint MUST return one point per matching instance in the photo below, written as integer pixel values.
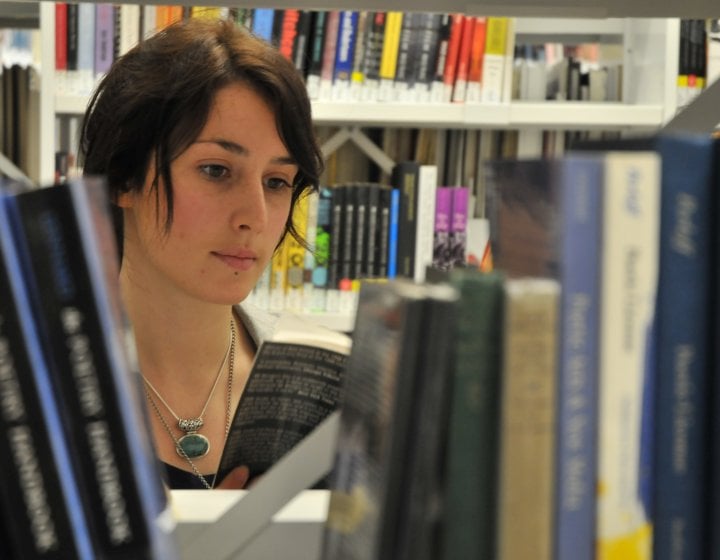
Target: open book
(293, 386)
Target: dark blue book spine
(681, 408)
(345, 47)
(580, 193)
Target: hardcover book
(473, 433)
(545, 221)
(527, 418)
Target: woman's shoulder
(260, 323)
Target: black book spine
(38, 493)
(66, 306)
(337, 209)
(405, 178)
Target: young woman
(204, 134)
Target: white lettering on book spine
(22, 448)
(81, 358)
(116, 516)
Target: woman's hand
(235, 480)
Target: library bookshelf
(649, 34)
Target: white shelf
(526, 8)
(518, 114)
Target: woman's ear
(124, 199)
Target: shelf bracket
(10, 170)
(701, 115)
(355, 135)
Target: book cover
(495, 59)
(683, 319)
(393, 233)
(473, 433)
(362, 230)
(357, 76)
(288, 32)
(309, 264)
(440, 57)
(545, 219)
(405, 177)
(463, 59)
(425, 225)
(327, 70)
(427, 52)
(383, 231)
(301, 43)
(631, 210)
(389, 57)
(527, 418)
(323, 237)
(262, 23)
(373, 56)
(129, 27)
(337, 244)
(71, 40)
(317, 42)
(458, 225)
(683, 361)
(406, 58)
(477, 53)
(344, 54)
(103, 38)
(451, 59)
(441, 228)
(86, 48)
(350, 232)
(39, 496)
(86, 339)
(380, 408)
(294, 384)
(295, 255)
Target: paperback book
(293, 386)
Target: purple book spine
(458, 225)
(103, 37)
(441, 235)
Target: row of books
(571, 77)
(361, 231)
(564, 406)
(80, 478)
(343, 54)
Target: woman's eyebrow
(239, 149)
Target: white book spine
(627, 306)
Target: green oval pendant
(193, 445)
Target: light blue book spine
(262, 23)
(580, 192)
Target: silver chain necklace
(193, 444)
(228, 407)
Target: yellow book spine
(295, 257)
(391, 45)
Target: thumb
(235, 480)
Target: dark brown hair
(155, 100)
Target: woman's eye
(276, 183)
(214, 171)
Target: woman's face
(232, 192)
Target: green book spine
(473, 441)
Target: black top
(178, 479)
